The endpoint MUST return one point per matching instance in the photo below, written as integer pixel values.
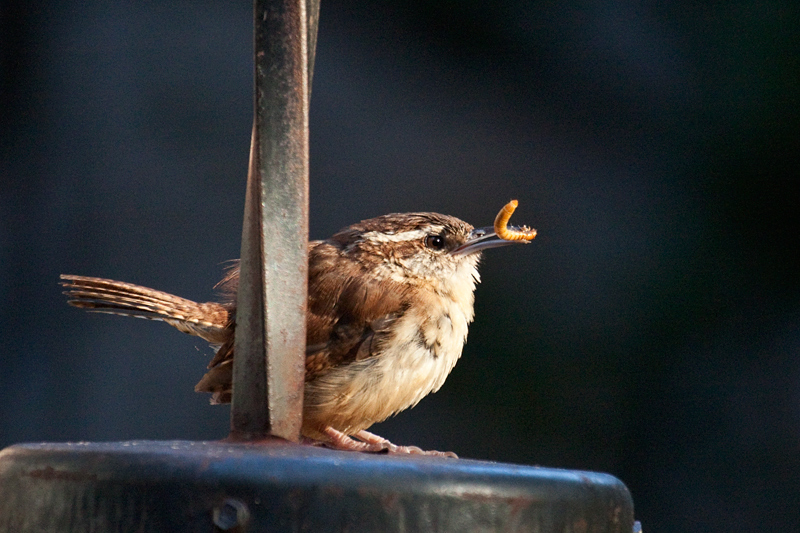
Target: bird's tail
(208, 321)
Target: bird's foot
(372, 438)
(371, 443)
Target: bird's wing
(349, 312)
(347, 318)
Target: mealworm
(501, 225)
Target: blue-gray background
(651, 331)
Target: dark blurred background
(652, 330)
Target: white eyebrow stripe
(403, 236)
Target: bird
(390, 300)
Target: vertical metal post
(268, 369)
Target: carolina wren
(389, 302)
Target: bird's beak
(484, 238)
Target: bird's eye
(434, 242)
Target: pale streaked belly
(415, 361)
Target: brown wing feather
(348, 310)
(347, 315)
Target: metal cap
(278, 486)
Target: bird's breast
(414, 357)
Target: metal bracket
(268, 370)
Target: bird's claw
(371, 443)
(371, 438)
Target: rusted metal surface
(268, 368)
(199, 486)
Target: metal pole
(268, 370)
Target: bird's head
(419, 248)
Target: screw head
(231, 514)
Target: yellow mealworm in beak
(501, 225)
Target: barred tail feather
(208, 321)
